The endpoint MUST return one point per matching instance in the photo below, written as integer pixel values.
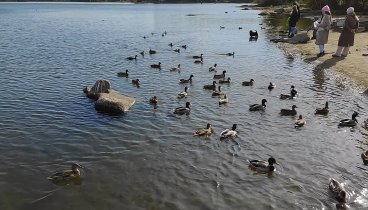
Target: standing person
(323, 29)
(293, 18)
(346, 39)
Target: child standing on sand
(323, 29)
(346, 39)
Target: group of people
(323, 26)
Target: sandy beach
(354, 66)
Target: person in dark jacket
(293, 19)
(346, 39)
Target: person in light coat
(323, 29)
(346, 39)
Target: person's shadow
(328, 63)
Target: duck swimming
(271, 86)
(136, 82)
(204, 131)
(183, 110)
(198, 57)
(349, 122)
(229, 132)
(290, 112)
(223, 81)
(217, 92)
(123, 74)
(212, 68)
(64, 175)
(177, 50)
(258, 107)
(210, 87)
(248, 83)
(132, 58)
(219, 76)
(156, 66)
(223, 100)
(263, 166)
(184, 46)
(184, 93)
(199, 61)
(322, 111)
(300, 122)
(187, 80)
(337, 189)
(293, 93)
(151, 52)
(175, 68)
(230, 54)
(153, 100)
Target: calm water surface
(148, 158)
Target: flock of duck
(258, 165)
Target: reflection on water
(148, 158)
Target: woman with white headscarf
(323, 29)
(346, 39)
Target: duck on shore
(64, 175)
(258, 107)
(323, 111)
(204, 131)
(263, 166)
(349, 122)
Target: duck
(204, 131)
(184, 93)
(263, 166)
(222, 27)
(184, 46)
(132, 58)
(198, 57)
(212, 68)
(271, 86)
(171, 44)
(290, 112)
(349, 122)
(136, 82)
(175, 68)
(292, 95)
(177, 50)
(240, 28)
(364, 157)
(199, 61)
(151, 52)
(248, 83)
(187, 80)
(217, 92)
(258, 107)
(219, 76)
(153, 100)
(183, 110)
(223, 81)
(230, 54)
(210, 87)
(300, 122)
(142, 53)
(324, 110)
(224, 100)
(156, 66)
(337, 189)
(253, 33)
(229, 132)
(65, 175)
(123, 74)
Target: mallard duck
(323, 111)
(271, 86)
(177, 50)
(210, 87)
(123, 74)
(136, 82)
(200, 61)
(337, 189)
(217, 92)
(132, 58)
(184, 46)
(300, 122)
(229, 132)
(153, 100)
(64, 175)
(258, 107)
(198, 57)
(183, 110)
(293, 93)
(175, 68)
(225, 81)
(248, 83)
(291, 111)
(364, 157)
(187, 80)
(212, 68)
(184, 93)
(156, 66)
(204, 131)
(223, 100)
(152, 51)
(263, 166)
(349, 122)
(219, 76)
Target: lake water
(148, 158)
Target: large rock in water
(298, 38)
(107, 100)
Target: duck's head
(159, 63)
(234, 127)
(228, 79)
(292, 87)
(225, 96)
(355, 114)
(293, 107)
(300, 117)
(75, 166)
(215, 65)
(187, 104)
(191, 76)
(126, 71)
(178, 65)
(214, 83)
(223, 72)
(271, 161)
(208, 125)
(251, 80)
